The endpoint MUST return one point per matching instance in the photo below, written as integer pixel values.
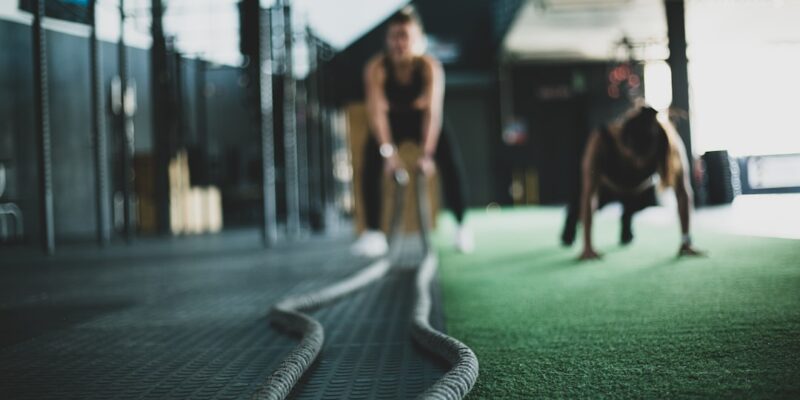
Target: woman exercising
(623, 162)
(405, 94)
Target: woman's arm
(377, 113)
(589, 185)
(431, 103)
(377, 105)
(683, 194)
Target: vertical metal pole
(125, 128)
(178, 113)
(98, 131)
(678, 64)
(268, 176)
(301, 127)
(290, 128)
(200, 96)
(161, 133)
(326, 139)
(313, 134)
(42, 110)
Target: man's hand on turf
(589, 254)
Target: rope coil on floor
(456, 383)
(288, 314)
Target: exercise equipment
(290, 313)
(721, 178)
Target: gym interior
(181, 187)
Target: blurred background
(131, 118)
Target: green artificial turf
(640, 323)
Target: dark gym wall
(188, 68)
(558, 125)
(227, 161)
(71, 133)
(70, 124)
(17, 139)
(233, 146)
(139, 73)
(470, 114)
(228, 114)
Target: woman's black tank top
(405, 121)
(619, 169)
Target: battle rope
(456, 383)
(288, 314)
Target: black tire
(720, 187)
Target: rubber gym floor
(187, 318)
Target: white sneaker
(464, 240)
(370, 244)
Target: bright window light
(657, 85)
(744, 59)
(746, 101)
